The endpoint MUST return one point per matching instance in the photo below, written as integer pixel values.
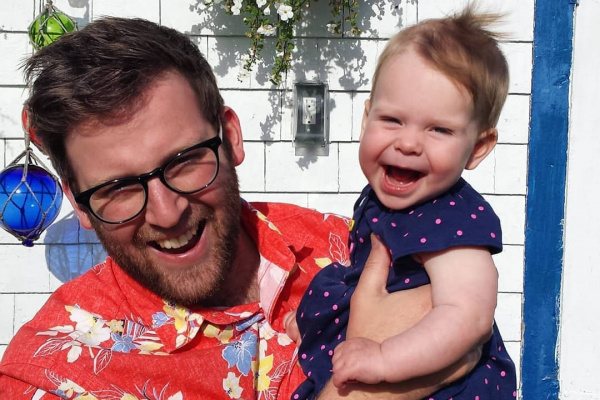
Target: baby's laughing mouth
(182, 243)
(401, 177)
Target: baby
(437, 94)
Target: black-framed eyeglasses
(121, 200)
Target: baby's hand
(358, 359)
(291, 326)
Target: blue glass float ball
(30, 205)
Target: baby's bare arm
(464, 284)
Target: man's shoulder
(95, 291)
(94, 294)
(291, 213)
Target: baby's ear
(365, 117)
(485, 144)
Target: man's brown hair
(101, 72)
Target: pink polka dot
(488, 366)
(335, 307)
(486, 381)
(302, 315)
(452, 203)
(361, 240)
(375, 220)
(497, 387)
(337, 321)
(317, 314)
(296, 396)
(459, 232)
(423, 240)
(303, 356)
(326, 294)
(309, 373)
(435, 201)
(339, 337)
(473, 216)
(319, 332)
(393, 224)
(310, 292)
(493, 235)
(514, 394)
(503, 373)
(499, 348)
(438, 221)
(323, 348)
(420, 215)
(476, 397)
(480, 208)
(406, 280)
(411, 212)
(406, 234)
(330, 352)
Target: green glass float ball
(49, 26)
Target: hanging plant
(278, 18)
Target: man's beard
(200, 284)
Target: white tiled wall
(271, 170)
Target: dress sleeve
(460, 217)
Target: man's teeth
(177, 242)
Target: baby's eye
(391, 119)
(440, 129)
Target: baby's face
(418, 133)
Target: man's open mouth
(182, 243)
(400, 176)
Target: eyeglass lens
(189, 172)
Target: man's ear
(485, 144)
(84, 218)
(365, 117)
(232, 132)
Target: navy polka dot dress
(460, 217)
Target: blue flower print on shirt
(123, 343)
(241, 352)
(249, 322)
(159, 319)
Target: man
(190, 303)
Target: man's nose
(164, 207)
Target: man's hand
(291, 326)
(377, 315)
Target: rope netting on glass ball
(49, 26)
(30, 196)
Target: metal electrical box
(311, 118)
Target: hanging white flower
(267, 30)
(236, 7)
(267, 10)
(285, 12)
(261, 3)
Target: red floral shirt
(103, 336)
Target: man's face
(180, 246)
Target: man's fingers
(374, 276)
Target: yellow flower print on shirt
(231, 386)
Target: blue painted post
(548, 137)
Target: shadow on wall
(70, 249)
